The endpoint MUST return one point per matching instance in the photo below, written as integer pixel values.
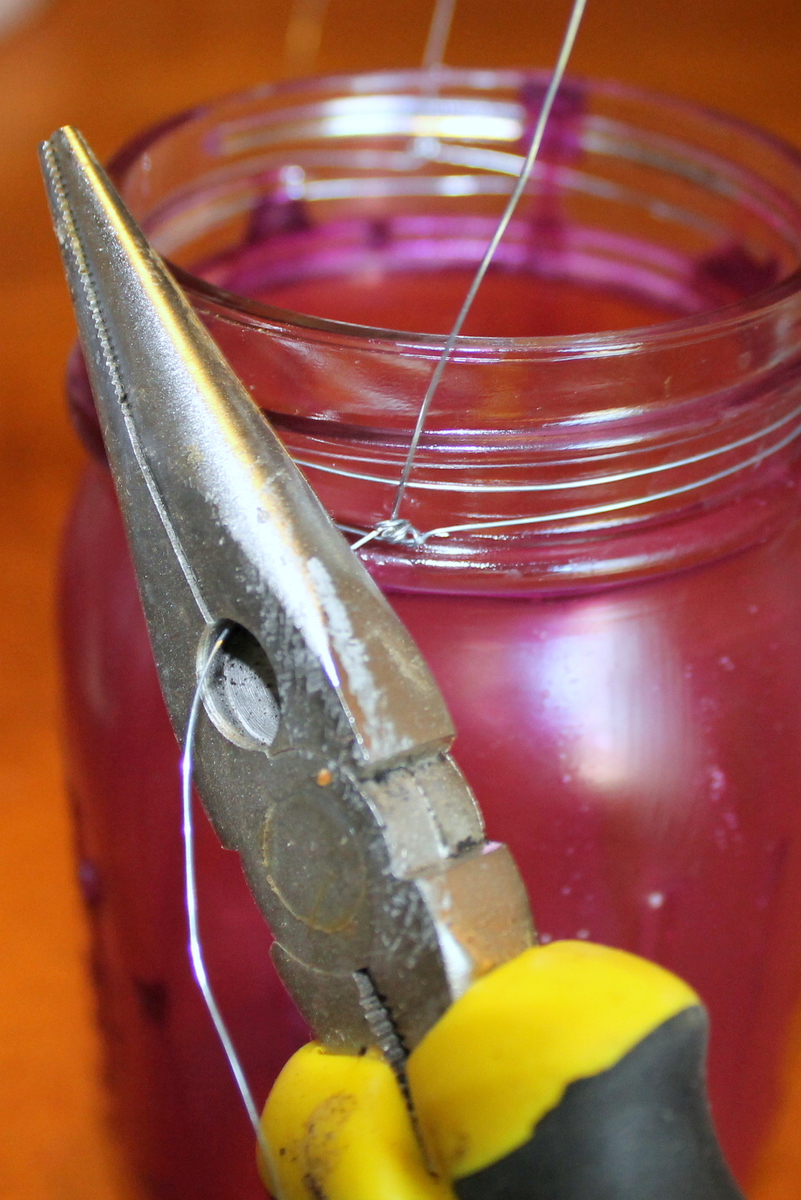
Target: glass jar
(607, 581)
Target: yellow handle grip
(481, 1080)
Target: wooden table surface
(112, 67)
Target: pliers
(474, 1063)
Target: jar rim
(682, 329)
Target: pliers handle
(574, 1072)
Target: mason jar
(602, 560)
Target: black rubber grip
(641, 1130)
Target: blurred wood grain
(111, 68)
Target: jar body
(627, 692)
(638, 749)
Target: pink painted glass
(623, 660)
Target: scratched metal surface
(110, 67)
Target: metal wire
(444, 531)
(438, 34)
(585, 481)
(190, 877)
(574, 22)
(399, 531)
(304, 32)
(303, 36)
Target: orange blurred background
(111, 67)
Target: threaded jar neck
(299, 218)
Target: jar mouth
(673, 329)
(573, 456)
(678, 330)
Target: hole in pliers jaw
(241, 692)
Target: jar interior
(372, 205)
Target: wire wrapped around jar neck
(550, 462)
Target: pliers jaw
(324, 756)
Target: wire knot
(399, 532)
(396, 530)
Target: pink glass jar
(618, 634)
